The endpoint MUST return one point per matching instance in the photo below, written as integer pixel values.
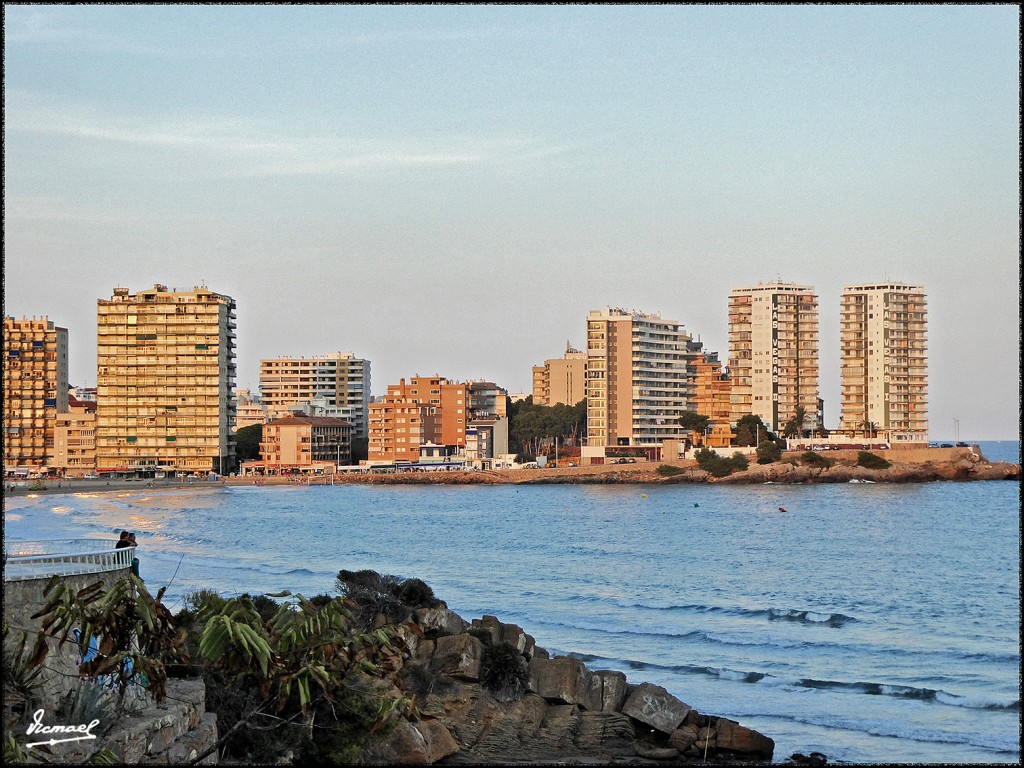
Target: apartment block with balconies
(165, 381)
(341, 379)
(35, 391)
(639, 378)
(884, 361)
(773, 353)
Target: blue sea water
(873, 623)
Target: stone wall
(23, 598)
(175, 731)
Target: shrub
(768, 452)
(667, 470)
(503, 672)
(720, 466)
(870, 460)
(815, 459)
(378, 594)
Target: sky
(451, 189)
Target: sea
(873, 623)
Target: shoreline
(957, 469)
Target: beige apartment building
(165, 381)
(35, 391)
(249, 411)
(341, 379)
(883, 329)
(773, 353)
(639, 378)
(74, 439)
(561, 381)
(302, 444)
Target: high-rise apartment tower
(885, 360)
(165, 381)
(639, 378)
(35, 391)
(773, 353)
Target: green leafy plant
(302, 665)
(870, 460)
(135, 633)
(667, 470)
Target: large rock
(563, 680)
(733, 737)
(654, 706)
(609, 689)
(458, 656)
(439, 620)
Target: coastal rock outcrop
(486, 693)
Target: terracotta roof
(90, 405)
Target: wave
(769, 614)
(909, 692)
(935, 695)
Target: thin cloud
(252, 150)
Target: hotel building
(639, 378)
(884, 361)
(35, 391)
(773, 353)
(561, 381)
(165, 380)
(341, 379)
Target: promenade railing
(36, 559)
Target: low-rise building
(74, 439)
(303, 444)
(249, 411)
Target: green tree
(795, 426)
(247, 442)
(694, 421)
(533, 428)
(750, 430)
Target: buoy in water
(643, 495)
(696, 504)
(782, 509)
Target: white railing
(64, 557)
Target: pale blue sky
(450, 189)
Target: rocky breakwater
(965, 466)
(485, 693)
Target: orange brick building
(712, 395)
(427, 409)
